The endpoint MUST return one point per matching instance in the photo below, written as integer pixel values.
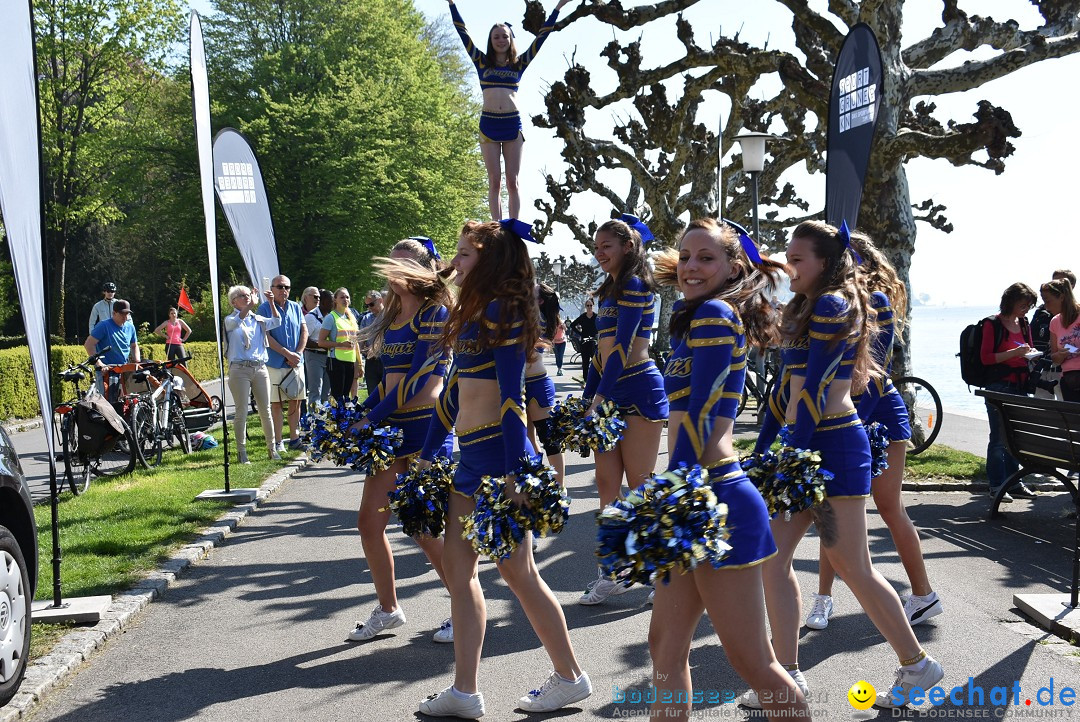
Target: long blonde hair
(881, 276)
(429, 286)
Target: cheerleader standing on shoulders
(414, 367)
(493, 328)
(622, 370)
(539, 388)
(881, 403)
(500, 70)
(724, 308)
(823, 349)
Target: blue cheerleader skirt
(540, 389)
(892, 413)
(747, 517)
(640, 392)
(499, 127)
(482, 454)
(845, 451)
(414, 423)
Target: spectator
(585, 326)
(285, 362)
(176, 334)
(1065, 335)
(1006, 341)
(102, 310)
(1047, 374)
(245, 340)
(316, 305)
(338, 334)
(118, 333)
(559, 344)
(373, 368)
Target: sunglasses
(370, 304)
(283, 288)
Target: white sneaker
(379, 621)
(919, 609)
(280, 447)
(556, 693)
(820, 611)
(652, 596)
(445, 633)
(906, 680)
(241, 455)
(599, 590)
(750, 697)
(448, 704)
(274, 455)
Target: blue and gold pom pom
(796, 482)
(599, 432)
(879, 447)
(564, 419)
(497, 526)
(671, 522)
(421, 497)
(368, 450)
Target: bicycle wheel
(120, 460)
(76, 471)
(743, 398)
(144, 429)
(924, 412)
(177, 427)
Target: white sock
(918, 665)
(567, 679)
(462, 695)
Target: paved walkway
(257, 630)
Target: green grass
(120, 529)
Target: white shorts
(277, 395)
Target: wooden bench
(1043, 435)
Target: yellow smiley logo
(862, 695)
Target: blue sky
(1007, 228)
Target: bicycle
(79, 467)
(759, 386)
(925, 412)
(157, 417)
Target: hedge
(18, 393)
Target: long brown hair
(511, 52)
(745, 292)
(881, 276)
(635, 262)
(503, 271)
(427, 285)
(840, 276)
(1061, 288)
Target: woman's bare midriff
(479, 403)
(719, 446)
(838, 401)
(500, 100)
(639, 351)
(427, 396)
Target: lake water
(935, 341)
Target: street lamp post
(753, 161)
(556, 268)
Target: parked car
(18, 569)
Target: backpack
(972, 370)
(98, 426)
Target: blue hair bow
(429, 245)
(521, 229)
(635, 223)
(844, 234)
(747, 243)
(510, 27)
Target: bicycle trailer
(201, 410)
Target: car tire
(15, 599)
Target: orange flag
(185, 302)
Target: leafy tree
(671, 157)
(578, 280)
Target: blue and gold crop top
(881, 348)
(821, 356)
(406, 350)
(628, 317)
(704, 376)
(504, 363)
(501, 76)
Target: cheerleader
(724, 308)
(825, 353)
(881, 403)
(500, 70)
(402, 336)
(539, 388)
(622, 369)
(493, 328)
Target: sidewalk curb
(79, 645)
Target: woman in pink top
(176, 334)
(1064, 335)
(559, 342)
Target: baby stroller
(201, 410)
